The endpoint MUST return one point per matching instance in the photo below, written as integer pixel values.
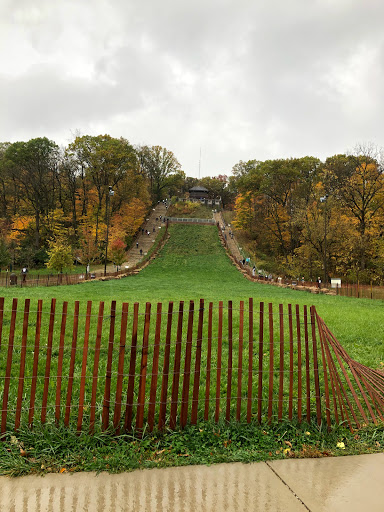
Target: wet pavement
(330, 484)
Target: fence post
(72, 363)
(261, 354)
(250, 359)
(176, 368)
(290, 400)
(35, 362)
(299, 359)
(108, 373)
(60, 361)
(315, 367)
(22, 363)
(155, 369)
(164, 383)
(131, 377)
(187, 368)
(120, 366)
(84, 365)
(271, 369)
(240, 361)
(96, 367)
(209, 360)
(229, 381)
(7, 379)
(196, 379)
(48, 360)
(281, 363)
(219, 361)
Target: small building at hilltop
(198, 192)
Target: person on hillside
(137, 245)
(254, 271)
(24, 273)
(318, 281)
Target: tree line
(309, 218)
(57, 198)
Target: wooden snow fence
(90, 366)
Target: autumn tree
(60, 256)
(34, 166)
(118, 253)
(161, 167)
(106, 161)
(357, 180)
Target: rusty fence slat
(261, 355)
(325, 372)
(143, 368)
(240, 361)
(108, 371)
(196, 377)
(176, 368)
(72, 363)
(22, 363)
(290, 399)
(219, 361)
(36, 350)
(164, 382)
(271, 368)
(155, 369)
(131, 376)
(299, 363)
(84, 365)
(187, 367)
(48, 361)
(60, 361)
(120, 366)
(96, 359)
(250, 359)
(307, 366)
(281, 363)
(209, 362)
(8, 370)
(315, 367)
(230, 356)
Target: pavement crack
(290, 488)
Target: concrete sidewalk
(319, 485)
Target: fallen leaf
(62, 470)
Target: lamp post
(323, 199)
(109, 195)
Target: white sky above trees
(241, 79)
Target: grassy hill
(193, 265)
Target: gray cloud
(240, 79)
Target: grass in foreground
(51, 450)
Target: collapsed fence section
(127, 366)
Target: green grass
(192, 265)
(47, 450)
(190, 210)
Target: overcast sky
(239, 79)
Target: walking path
(232, 245)
(339, 484)
(143, 240)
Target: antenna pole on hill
(199, 163)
